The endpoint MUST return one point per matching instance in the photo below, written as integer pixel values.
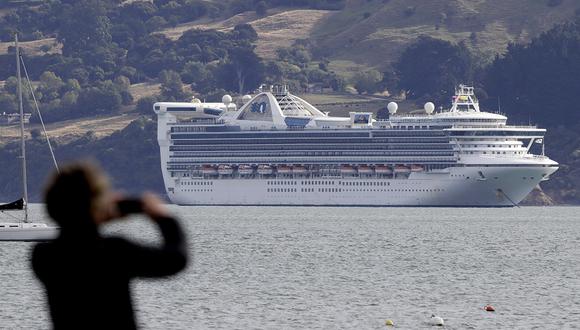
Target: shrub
(145, 105)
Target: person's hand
(153, 206)
(106, 208)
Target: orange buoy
(489, 308)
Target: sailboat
(23, 230)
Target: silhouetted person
(87, 276)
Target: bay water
(343, 268)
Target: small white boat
(225, 170)
(245, 170)
(265, 169)
(27, 231)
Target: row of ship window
(494, 152)
(490, 146)
(357, 146)
(451, 120)
(493, 133)
(315, 153)
(325, 182)
(198, 183)
(197, 190)
(180, 166)
(285, 190)
(233, 142)
(177, 134)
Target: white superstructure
(277, 149)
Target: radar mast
(464, 100)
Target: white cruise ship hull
(456, 187)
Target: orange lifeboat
(402, 169)
(285, 169)
(347, 169)
(208, 170)
(365, 169)
(265, 169)
(382, 169)
(299, 169)
(417, 168)
(225, 170)
(245, 169)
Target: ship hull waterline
(458, 187)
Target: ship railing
(495, 126)
(198, 122)
(535, 156)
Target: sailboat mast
(22, 144)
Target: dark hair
(71, 194)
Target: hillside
(376, 32)
(279, 29)
(69, 130)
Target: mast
(22, 144)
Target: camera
(130, 206)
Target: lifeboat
(364, 169)
(382, 169)
(225, 170)
(265, 169)
(284, 169)
(417, 168)
(299, 169)
(402, 169)
(208, 170)
(245, 169)
(347, 169)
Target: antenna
(498, 104)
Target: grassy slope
(280, 28)
(379, 39)
(70, 130)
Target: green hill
(374, 33)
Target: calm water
(346, 268)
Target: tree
(367, 81)
(261, 8)
(8, 103)
(171, 86)
(246, 67)
(195, 73)
(539, 80)
(432, 68)
(94, 100)
(50, 86)
(145, 105)
(245, 32)
(85, 26)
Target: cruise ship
(277, 149)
